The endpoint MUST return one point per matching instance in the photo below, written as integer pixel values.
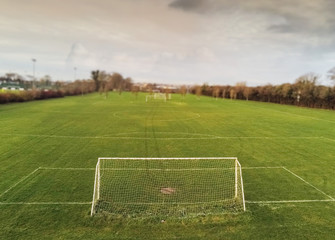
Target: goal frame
(96, 191)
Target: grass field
(48, 151)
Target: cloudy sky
(170, 41)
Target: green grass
(73, 132)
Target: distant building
(11, 83)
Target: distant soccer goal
(158, 96)
(167, 186)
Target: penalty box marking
(44, 203)
(309, 184)
(331, 199)
(21, 180)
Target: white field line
(45, 203)
(166, 169)
(172, 133)
(291, 201)
(158, 138)
(279, 167)
(21, 180)
(329, 139)
(184, 169)
(309, 184)
(70, 169)
(170, 158)
(197, 115)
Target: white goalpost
(168, 186)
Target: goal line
(290, 201)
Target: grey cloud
(282, 28)
(308, 16)
(188, 5)
(291, 24)
(198, 6)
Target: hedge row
(24, 96)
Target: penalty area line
(309, 184)
(45, 203)
(21, 180)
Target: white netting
(167, 186)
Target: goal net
(167, 186)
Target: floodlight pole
(34, 62)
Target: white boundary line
(169, 158)
(91, 169)
(178, 169)
(329, 139)
(160, 138)
(291, 201)
(176, 133)
(21, 180)
(70, 169)
(166, 169)
(309, 184)
(45, 203)
(197, 115)
(278, 167)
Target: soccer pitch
(49, 150)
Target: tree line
(59, 90)
(305, 91)
(45, 88)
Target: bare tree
(95, 77)
(135, 89)
(216, 92)
(183, 91)
(167, 91)
(305, 85)
(198, 91)
(233, 93)
(331, 75)
(242, 90)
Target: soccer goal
(158, 96)
(167, 186)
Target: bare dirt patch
(168, 190)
